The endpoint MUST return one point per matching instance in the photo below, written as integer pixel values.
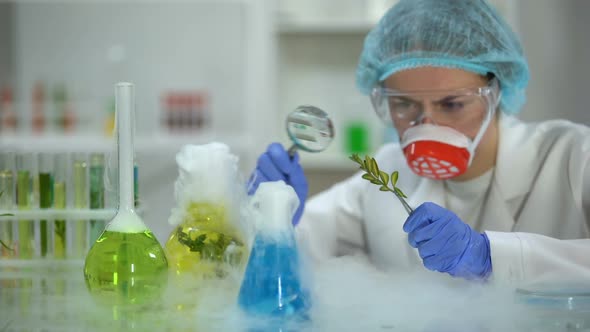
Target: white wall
(159, 46)
(6, 63)
(555, 37)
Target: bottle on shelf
(8, 119)
(38, 119)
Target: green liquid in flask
(124, 269)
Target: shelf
(90, 143)
(38, 264)
(99, 214)
(325, 25)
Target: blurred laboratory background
(229, 71)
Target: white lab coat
(536, 212)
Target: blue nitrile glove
(275, 164)
(447, 244)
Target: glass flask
(126, 268)
(207, 247)
(272, 285)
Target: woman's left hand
(447, 244)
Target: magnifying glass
(310, 129)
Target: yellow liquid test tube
(26, 230)
(7, 166)
(96, 193)
(80, 170)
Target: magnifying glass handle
(292, 150)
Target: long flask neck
(125, 109)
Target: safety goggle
(454, 108)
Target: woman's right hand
(275, 164)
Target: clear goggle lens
(461, 109)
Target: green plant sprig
(376, 176)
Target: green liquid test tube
(59, 203)
(46, 168)
(96, 193)
(80, 170)
(7, 166)
(26, 233)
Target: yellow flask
(205, 250)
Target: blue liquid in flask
(272, 285)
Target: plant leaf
(368, 176)
(399, 192)
(394, 177)
(376, 182)
(384, 188)
(355, 157)
(367, 163)
(374, 167)
(384, 177)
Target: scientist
(494, 197)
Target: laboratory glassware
(272, 285)
(126, 268)
(97, 167)
(561, 306)
(46, 195)
(206, 247)
(26, 230)
(7, 191)
(59, 203)
(80, 177)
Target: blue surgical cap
(462, 34)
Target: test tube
(59, 203)
(26, 231)
(80, 170)
(46, 195)
(96, 193)
(7, 166)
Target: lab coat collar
(511, 178)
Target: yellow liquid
(126, 269)
(205, 251)
(6, 203)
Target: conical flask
(272, 284)
(126, 267)
(207, 246)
